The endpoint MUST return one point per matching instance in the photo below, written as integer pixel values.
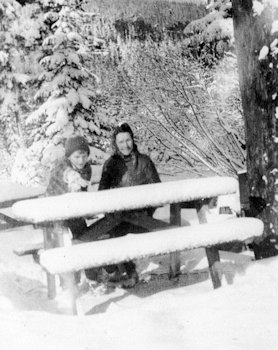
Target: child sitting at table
(72, 174)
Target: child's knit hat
(76, 143)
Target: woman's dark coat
(136, 169)
(119, 171)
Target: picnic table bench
(61, 257)
(10, 193)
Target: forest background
(81, 67)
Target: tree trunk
(259, 87)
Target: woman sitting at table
(127, 167)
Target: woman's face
(124, 143)
(78, 159)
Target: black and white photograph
(138, 174)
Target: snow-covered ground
(185, 314)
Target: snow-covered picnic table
(50, 212)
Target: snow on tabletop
(10, 191)
(87, 204)
(129, 247)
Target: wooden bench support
(212, 253)
(175, 220)
(55, 235)
(213, 256)
(69, 284)
(51, 284)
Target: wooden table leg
(63, 239)
(212, 252)
(50, 279)
(213, 257)
(69, 283)
(57, 235)
(175, 219)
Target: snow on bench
(30, 249)
(11, 192)
(88, 204)
(116, 250)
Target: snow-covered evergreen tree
(22, 30)
(67, 90)
(12, 79)
(208, 38)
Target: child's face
(79, 158)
